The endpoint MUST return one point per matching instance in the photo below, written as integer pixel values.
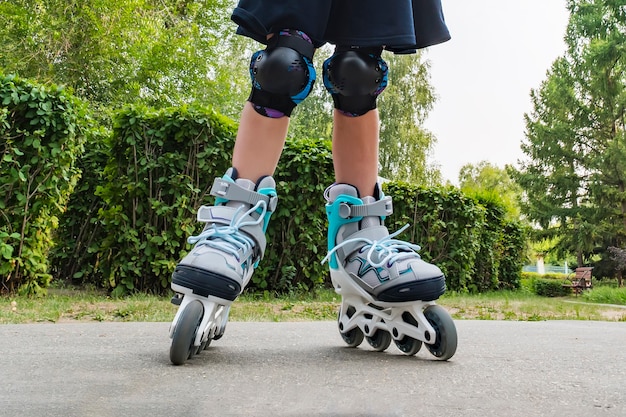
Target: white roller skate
(387, 291)
(220, 265)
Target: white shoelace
(230, 234)
(388, 248)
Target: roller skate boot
(388, 292)
(221, 263)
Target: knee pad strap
(355, 78)
(282, 74)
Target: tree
(574, 179)
(485, 177)
(618, 256)
(313, 117)
(172, 52)
(404, 144)
(163, 52)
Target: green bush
(76, 255)
(127, 225)
(445, 223)
(553, 275)
(297, 232)
(512, 245)
(161, 168)
(42, 133)
(488, 258)
(551, 288)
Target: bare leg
(355, 150)
(260, 141)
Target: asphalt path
(501, 368)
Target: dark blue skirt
(401, 26)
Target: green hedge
(552, 276)
(297, 231)
(128, 221)
(488, 260)
(42, 132)
(547, 285)
(551, 288)
(512, 247)
(446, 224)
(160, 169)
(76, 257)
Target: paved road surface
(507, 369)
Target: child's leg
(355, 150)
(260, 141)
(359, 244)
(233, 240)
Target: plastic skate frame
(371, 315)
(214, 317)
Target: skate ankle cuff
(232, 191)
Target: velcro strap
(232, 191)
(383, 207)
(297, 43)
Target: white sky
(500, 50)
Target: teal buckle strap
(380, 208)
(336, 220)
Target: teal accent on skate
(335, 221)
(221, 200)
(271, 192)
(406, 271)
(365, 267)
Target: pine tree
(575, 176)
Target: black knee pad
(355, 78)
(282, 74)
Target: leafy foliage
(115, 53)
(404, 144)
(551, 288)
(445, 223)
(42, 133)
(486, 178)
(160, 167)
(574, 178)
(160, 171)
(618, 256)
(75, 256)
(513, 240)
(297, 232)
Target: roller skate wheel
(380, 340)
(354, 337)
(219, 333)
(203, 346)
(445, 342)
(408, 345)
(185, 333)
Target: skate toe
(420, 281)
(209, 274)
(204, 283)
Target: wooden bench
(581, 280)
